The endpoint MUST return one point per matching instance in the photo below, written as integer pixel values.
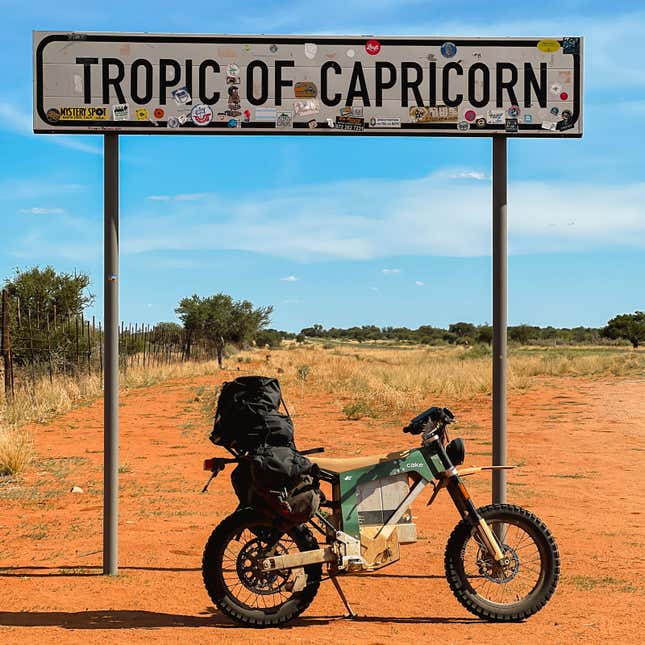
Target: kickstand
(350, 611)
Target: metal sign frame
(322, 85)
(499, 132)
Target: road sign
(307, 85)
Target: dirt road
(580, 444)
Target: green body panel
(423, 461)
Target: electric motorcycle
(501, 561)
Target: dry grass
(36, 403)
(15, 450)
(368, 380)
(394, 380)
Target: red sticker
(158, 113)
(373, 47)
(470, 115)
(564, 96)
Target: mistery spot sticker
(350, 53)
(311, 49)
(312, 124)
(528, 118)
(141, 114)
(480, 122)
(173, 122)
(159, 113)
(201, 115)
(513, 112)
(470, 115)
(84, 113)
(463, 126)
(549, 125)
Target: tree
(485, 334)
(462, 329)
(42, 290)
(523, 333)
(628, 326)
(46, 306)
(219, 319)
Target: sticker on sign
(397, 85)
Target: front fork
(464, 503)
(468, 511)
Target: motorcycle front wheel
(526, 581)
(231, 569)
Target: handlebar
(433, 421)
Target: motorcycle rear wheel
(237, 585)
(520, 588)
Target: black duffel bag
(248, 416)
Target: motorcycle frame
(427, 464)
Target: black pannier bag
(287, 483)
(280, 481)
(248, 416)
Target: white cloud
(42, 211)
(461, 173)
(390, 271)
(290, 278)
(419, 283)
(368, 219)
(15, 120)
(159, 198)
(364, 219)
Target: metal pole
(111, 336)
(499, 316)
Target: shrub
(359, 409)
(16, 450)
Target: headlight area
(456, 451)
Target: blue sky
(342, 231)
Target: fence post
(6, 345)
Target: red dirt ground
(580, 443)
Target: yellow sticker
(141, 114)
(85, 113)
(548, 45)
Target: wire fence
(45, 343)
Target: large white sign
(336, 85)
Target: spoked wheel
(526, 580)
(235, 581)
